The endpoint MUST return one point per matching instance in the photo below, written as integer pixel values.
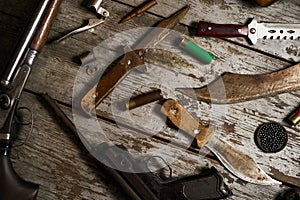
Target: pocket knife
(131, 59)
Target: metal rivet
(123, 162)
(129, 62)
(105, 13)
(91, 69)
(174, 111)
(252, 30)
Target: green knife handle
(221, 30)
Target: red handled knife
(253, 31)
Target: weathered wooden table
(52, 157)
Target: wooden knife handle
(264, 2)
(181, 118)
(45, 26)
(221, 30)
(110, 80)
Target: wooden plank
(62, 55)
(238, 12)
(61, 167)
(17, 9)
(61, 70)
(52, 158)
(64, 171)
(222, 12)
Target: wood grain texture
(51, 158)
(43, 31)
(229, 12)
(55, 160)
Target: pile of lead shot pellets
(271, 137)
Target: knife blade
(238, 163)
(254, 30)
(244, 87)
(130, 60)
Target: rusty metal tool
(96, 5)
(139, 10)
(144, 99)
(238, 163)
(91, 24)
(254, 30)
(130, 60)
(242, 87)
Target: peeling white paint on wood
(64, 172)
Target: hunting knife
(254, 30)
(238, 163)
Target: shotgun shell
(196, 51)
(295, 117)
(144, 99)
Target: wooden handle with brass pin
(183, 120)
(237, 162)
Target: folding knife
(131, 59)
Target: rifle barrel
(26, 38)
